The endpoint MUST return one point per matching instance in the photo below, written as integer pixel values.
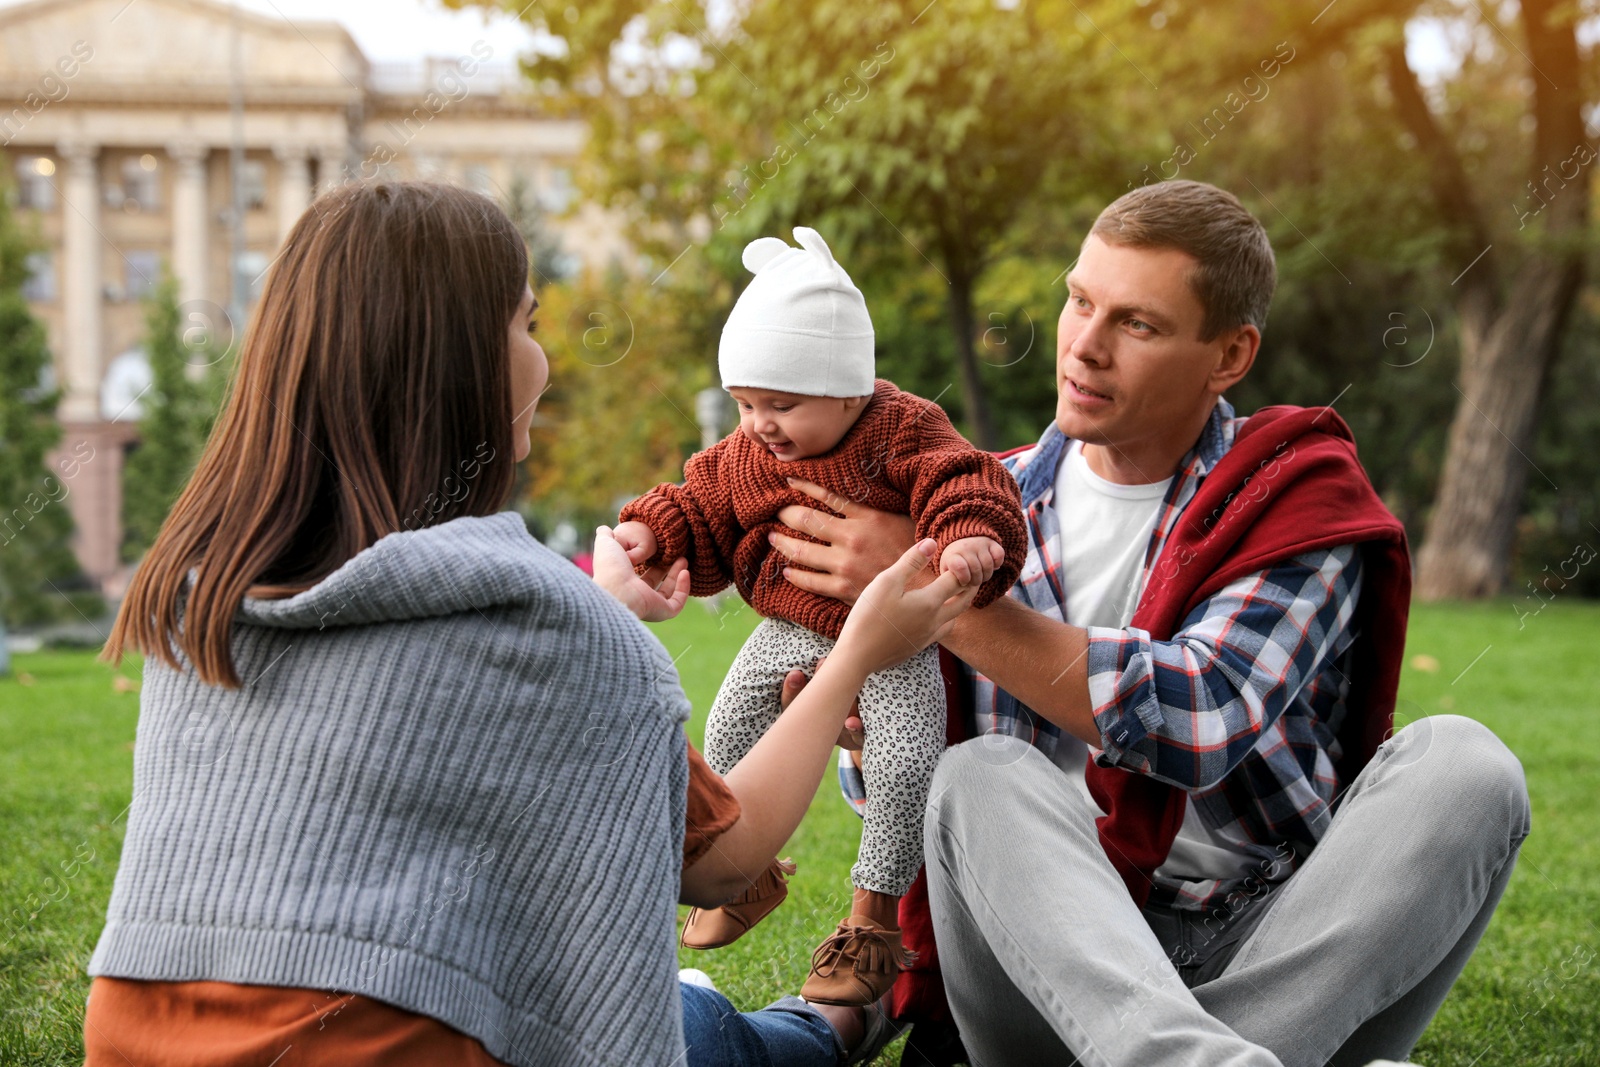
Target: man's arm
(1039, 660)
(1187, 710)
(1006, 641)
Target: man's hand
(859, 545)
(650, 601)
(972, 559)
(851, 737)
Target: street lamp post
(711, 412)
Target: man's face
(1131, 369)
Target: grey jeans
(1047, 960)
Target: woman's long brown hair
(372, 386)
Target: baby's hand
(637, 539)
(973, 560)
(614, 573)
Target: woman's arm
(1036, 659)
(776, 780)
(774, 784)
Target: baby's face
(792, 425)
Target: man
(1179, 835)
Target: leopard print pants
(903, 712)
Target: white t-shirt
(1105, 531)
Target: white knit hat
(800, 326)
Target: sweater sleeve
(694, 520)
(957, 490)
(710, 811)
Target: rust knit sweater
(902, 455)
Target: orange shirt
(225, 1024)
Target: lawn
(1531, 994)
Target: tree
(1426, 284)
(1413, 201)
(924, 128)
(178, 412)
(40, 580)
(1517, 289)
(619, 357)
(545, 257)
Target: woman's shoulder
(466, 565)
(481, 583)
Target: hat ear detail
(761, 251)
(812, 242)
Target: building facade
(186, 135)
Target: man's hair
(1235, 272)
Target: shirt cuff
(1122, 691)
(852, 785)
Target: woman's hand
(891, 621)
(613, 572)
(637, 539)
(859, 546)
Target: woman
(408, 787)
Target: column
(81, 295)
(330, 167)
(294, 185)
(191, 229)
(88, 464)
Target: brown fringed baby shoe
(856, 965)
(715, 927)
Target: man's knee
(978, 769)
(1476, 771)
(991, 782)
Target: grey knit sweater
(453, 781)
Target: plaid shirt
(1240, 708)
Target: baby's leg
(747, 704)
(902, 709)
(903, 713)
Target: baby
(797, 355)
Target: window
(141, 184)
(36, 189)
(142, 274)
(476, 177)
(557, 192)
(253, 184)
(139, 188)
(41, 282)
(252, 268)
(126, 381)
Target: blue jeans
(788, 1033)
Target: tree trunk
(973, 397)
(1509, 345)
(1505, 363)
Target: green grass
(1531, 994)
(66, 774)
